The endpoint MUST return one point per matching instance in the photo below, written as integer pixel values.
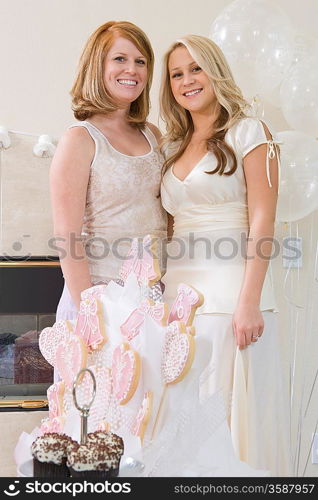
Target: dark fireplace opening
(29, 294)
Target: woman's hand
(248, 324)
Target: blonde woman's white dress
(208, 252)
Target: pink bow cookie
(90, 325)
(142, 260)
(134, 322)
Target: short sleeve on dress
(249, 134)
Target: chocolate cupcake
(93, 459)
(114, 442)
(49, 453)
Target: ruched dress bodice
(211, 225)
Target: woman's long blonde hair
(89, 93)
(179, 125)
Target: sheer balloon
(257, 39)
(299, 95)
(304, 46)
(298, 195)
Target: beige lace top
(122, 202)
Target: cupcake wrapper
(101, 474)
(49, 469)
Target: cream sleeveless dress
(122, 203)
(207, 252)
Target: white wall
(41, 41)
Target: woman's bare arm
(262, 200)
(69, 175)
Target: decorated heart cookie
(135, 321)
(142, 260)
(90, 324)
(55, 395)
(103, 394)
(185, 304)
(52, 425)
(125, 372)
(71, 357)
(178, 352)
(143, 416)
(51, 337)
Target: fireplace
(29, 294)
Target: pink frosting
(103, 395)
(55, 395)
(141, 262)
(88, 325)
(125, 372)
(142, 417)
(176, 352)
(51, 337)
(95, 291)
(52, 425)
(71, 356)
(187, 299)
(135, 320)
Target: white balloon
(298, 195)
(275, 53)
(299, 96)
(304, 47)
(257, 40)
(272, 96)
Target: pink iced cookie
(90, 325)
(178, 352)
(51, 337)
(55, 395)
(71, 357)
(143, 416)
(52, 425)
(185, 304)
(103, 394)
(134, 322)
(125, 372)
(142, 260)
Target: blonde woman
(220, 188)
(105, 175)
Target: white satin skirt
(251, 381)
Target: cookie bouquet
(138, 349)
